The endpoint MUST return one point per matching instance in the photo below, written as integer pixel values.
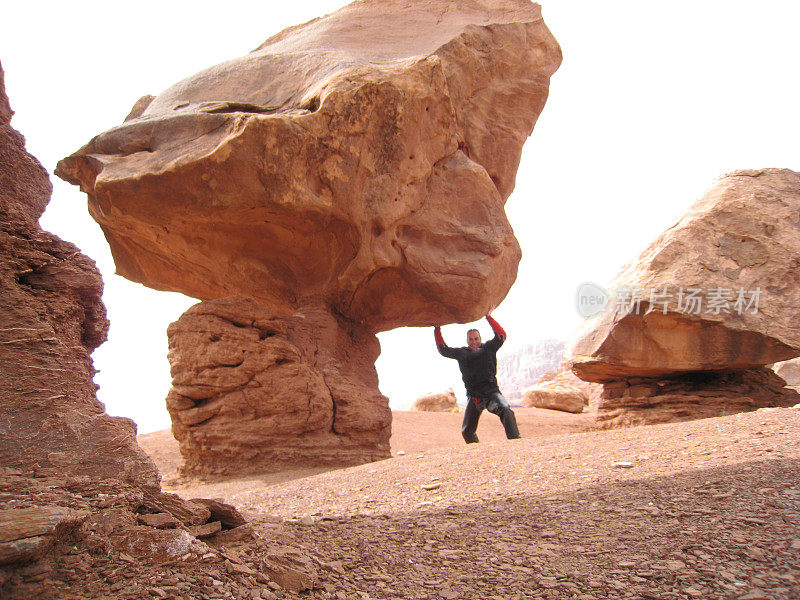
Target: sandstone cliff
(51, 319)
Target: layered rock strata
(691, 323)
(356, 165)
(441, 402)
(51, 319)
(253, 391)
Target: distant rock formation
(789, 371)
(441, 402)
(554, 396)
(253, 391)
(51, 319)
(518, 370)
(356, 165)
(692, 322)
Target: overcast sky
(652, 102)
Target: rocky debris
(522, 368)
(363, 139)
(220, 511)
(27, 533)
(708, 506)
(789, 371)
(555, 396)
(441, 402)
(717, 292)
(91, 538)
(253, 391)
(51, 319)
(317, 177)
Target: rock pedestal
(253, 391)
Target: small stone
(431, 486)
(622, 465)
(401, 453)
(306, 520)
(158, 520)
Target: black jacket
(478, 367)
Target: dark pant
(495, 404)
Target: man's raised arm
(499, 332)
(443, 348)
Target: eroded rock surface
(51, 319)
(441, 402)
(705, 307)
(253, 391)
(360, 160)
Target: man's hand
(491, 310)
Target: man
(478, 364)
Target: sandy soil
(702, 509)
(705, 509)
(412, 433)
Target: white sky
(652, 102)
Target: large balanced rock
(51, 319)
(360, 160)
(356, 165)
(439, 402)
(717, 293)
(253, 391)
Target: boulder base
(253, 391)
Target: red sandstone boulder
(360, 161)
(692, 322)
(441, 402)
(555, 396)
(789, 371)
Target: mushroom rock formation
(441, 402)
(253, 391)
(692, 322)
(355, 165)
(51, 319)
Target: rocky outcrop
(555, 396)
(704, 308)
(51, 319)
(356, 165)
(253, 391)
(441, 402)
(518, 370)
(641, 400)
(789, 371)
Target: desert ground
(697, 509)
